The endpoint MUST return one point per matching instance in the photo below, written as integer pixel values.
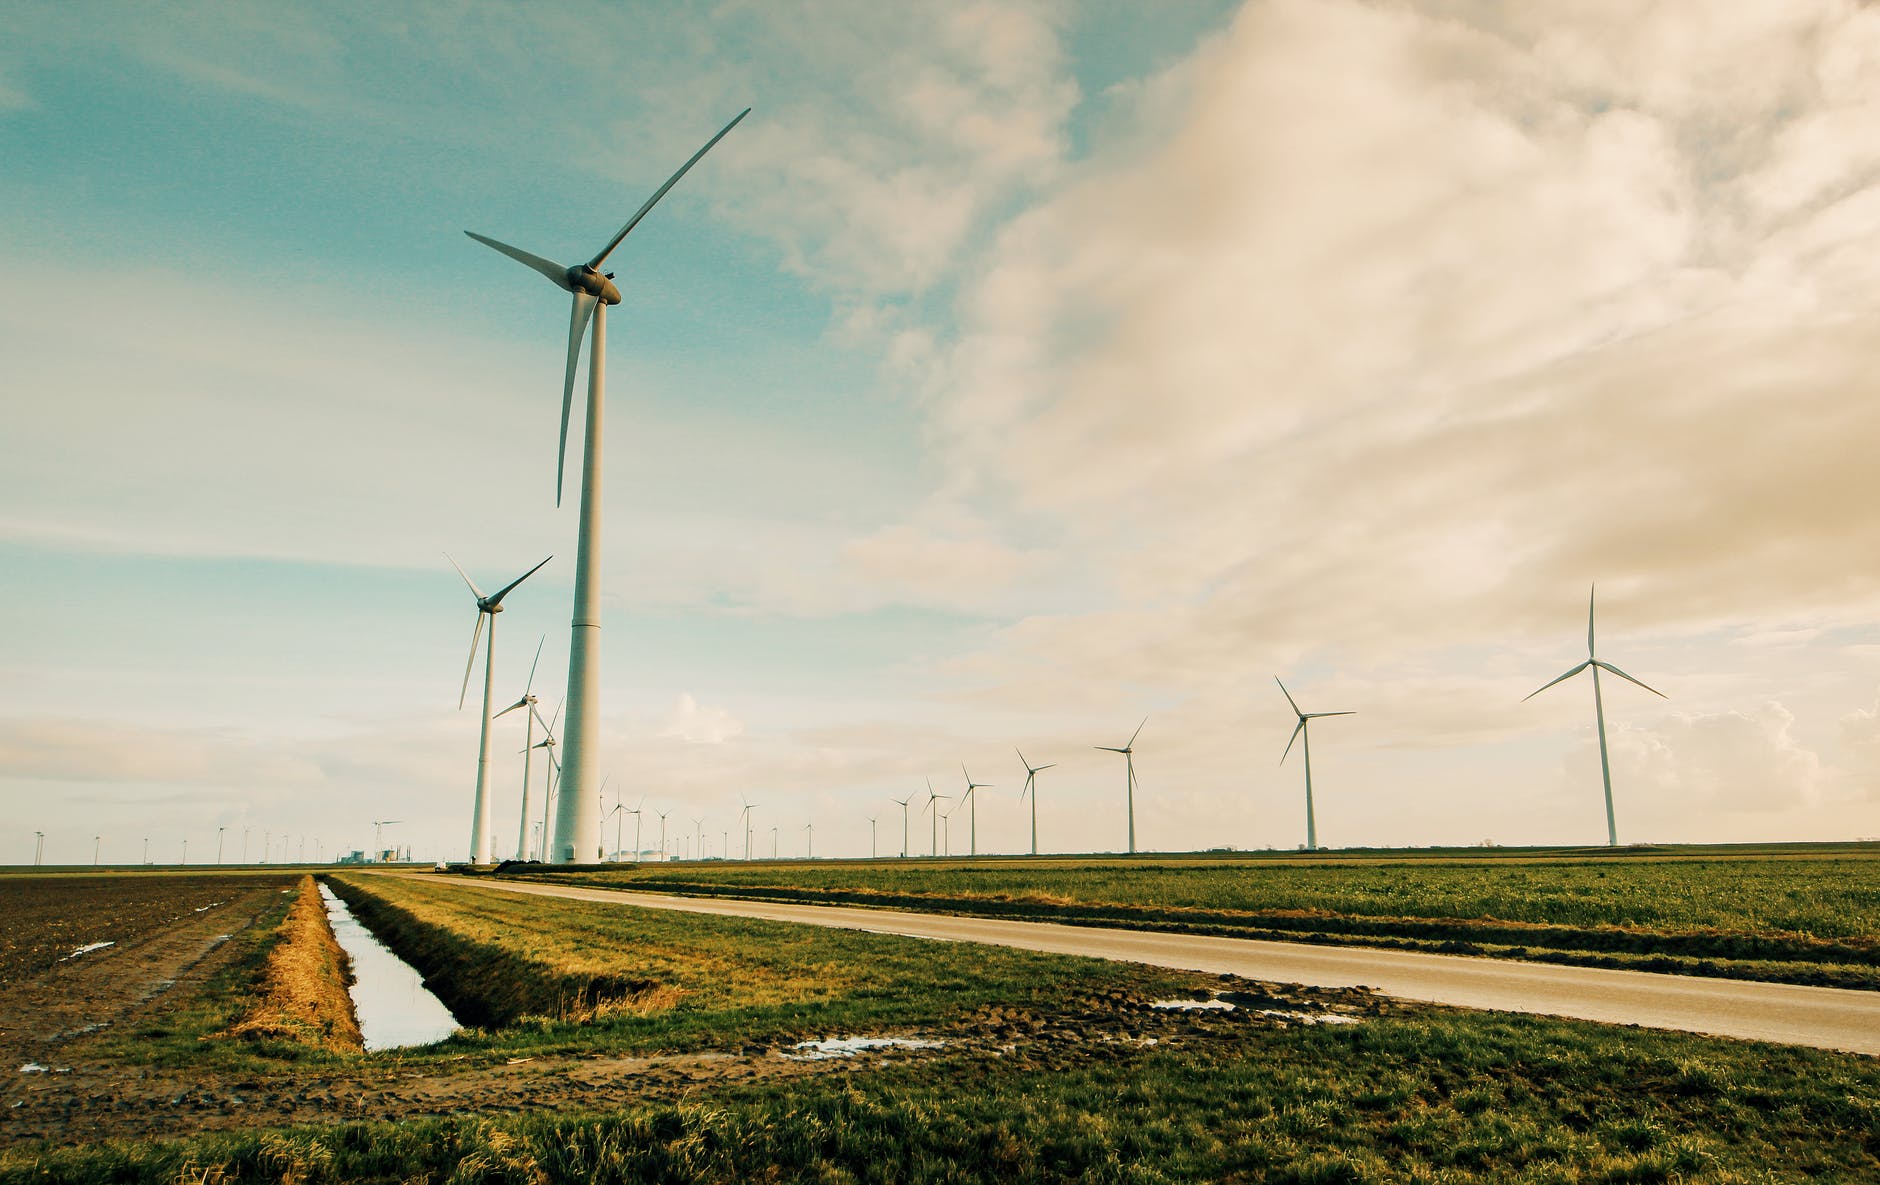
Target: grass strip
(1776, 918)
(1429, 1097)
(700, 982)
(301, 994)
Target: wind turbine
(902, 803)
(809, 842)
(1599, 711)
(530, 717)
(488, 607)
(548, 779)
(1129, 757)
(744, 817)
(1312, 830)
(871, 837)
(970, 800)
(933, 841)
(639, 817)
(1031, 788)
(577, 827)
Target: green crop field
(1053, 1069)
(1806, 915)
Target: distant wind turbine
(529, 717)
(1312, 828)
(488, 607)
(744, 817)
(1599, 711)
(577, 824)
(378, 826)
(871, 838)
(902, 803)
(970, 801)
(548, 779)
(933, 841)
(1031, 788)
(1129, 757)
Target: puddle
(1311, 1018)
(1215, 1005)
(87, 949)
(208, 907)
(394, 1007)
(815, 1051)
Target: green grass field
(1801, 914)
(1047, 1075)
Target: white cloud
(688, 720)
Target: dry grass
(301, 996)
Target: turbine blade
(1316, 715)
(466, 577)
(1591, 593)
(521, 703)
(504, 591)
(1562, 679)
(1053, 765)
(1134, 735)
(557, 715)
(547, 267)
(540, 721)
(1297, 729)
(1108, 749)
(475, 636)
(1606, 666)
(530, 685)
(578, 315)
(661, 192)
(1288, 695)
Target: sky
(1015, 373)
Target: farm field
(1803, 915)
(620, 1045)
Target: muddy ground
(57, 1019)
(48, 917)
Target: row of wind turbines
(571, 817)
(940, 819)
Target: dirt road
(1824, 1018)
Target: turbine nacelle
(583, 278)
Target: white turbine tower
(1129, 756)
(902, 803)
(577, 822)
(488, 607)
(970, 801)
(527, 701)
(933, 840)
(1599, 711)
(1312, 827)
(1031, 788)
(744, 817)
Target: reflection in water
(393, 1005)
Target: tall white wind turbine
(1129, 756)
(1031, 788)
(488, 607)
(970, 801)
(1299, 730)
(1599, 711)
(902, 803)
(531, 716)
(577, 822)
(933, 841)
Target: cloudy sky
(1013, 373)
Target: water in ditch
(394, 1007)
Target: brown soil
(97, 1101)
(48, 917)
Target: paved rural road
(1826, 1018)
